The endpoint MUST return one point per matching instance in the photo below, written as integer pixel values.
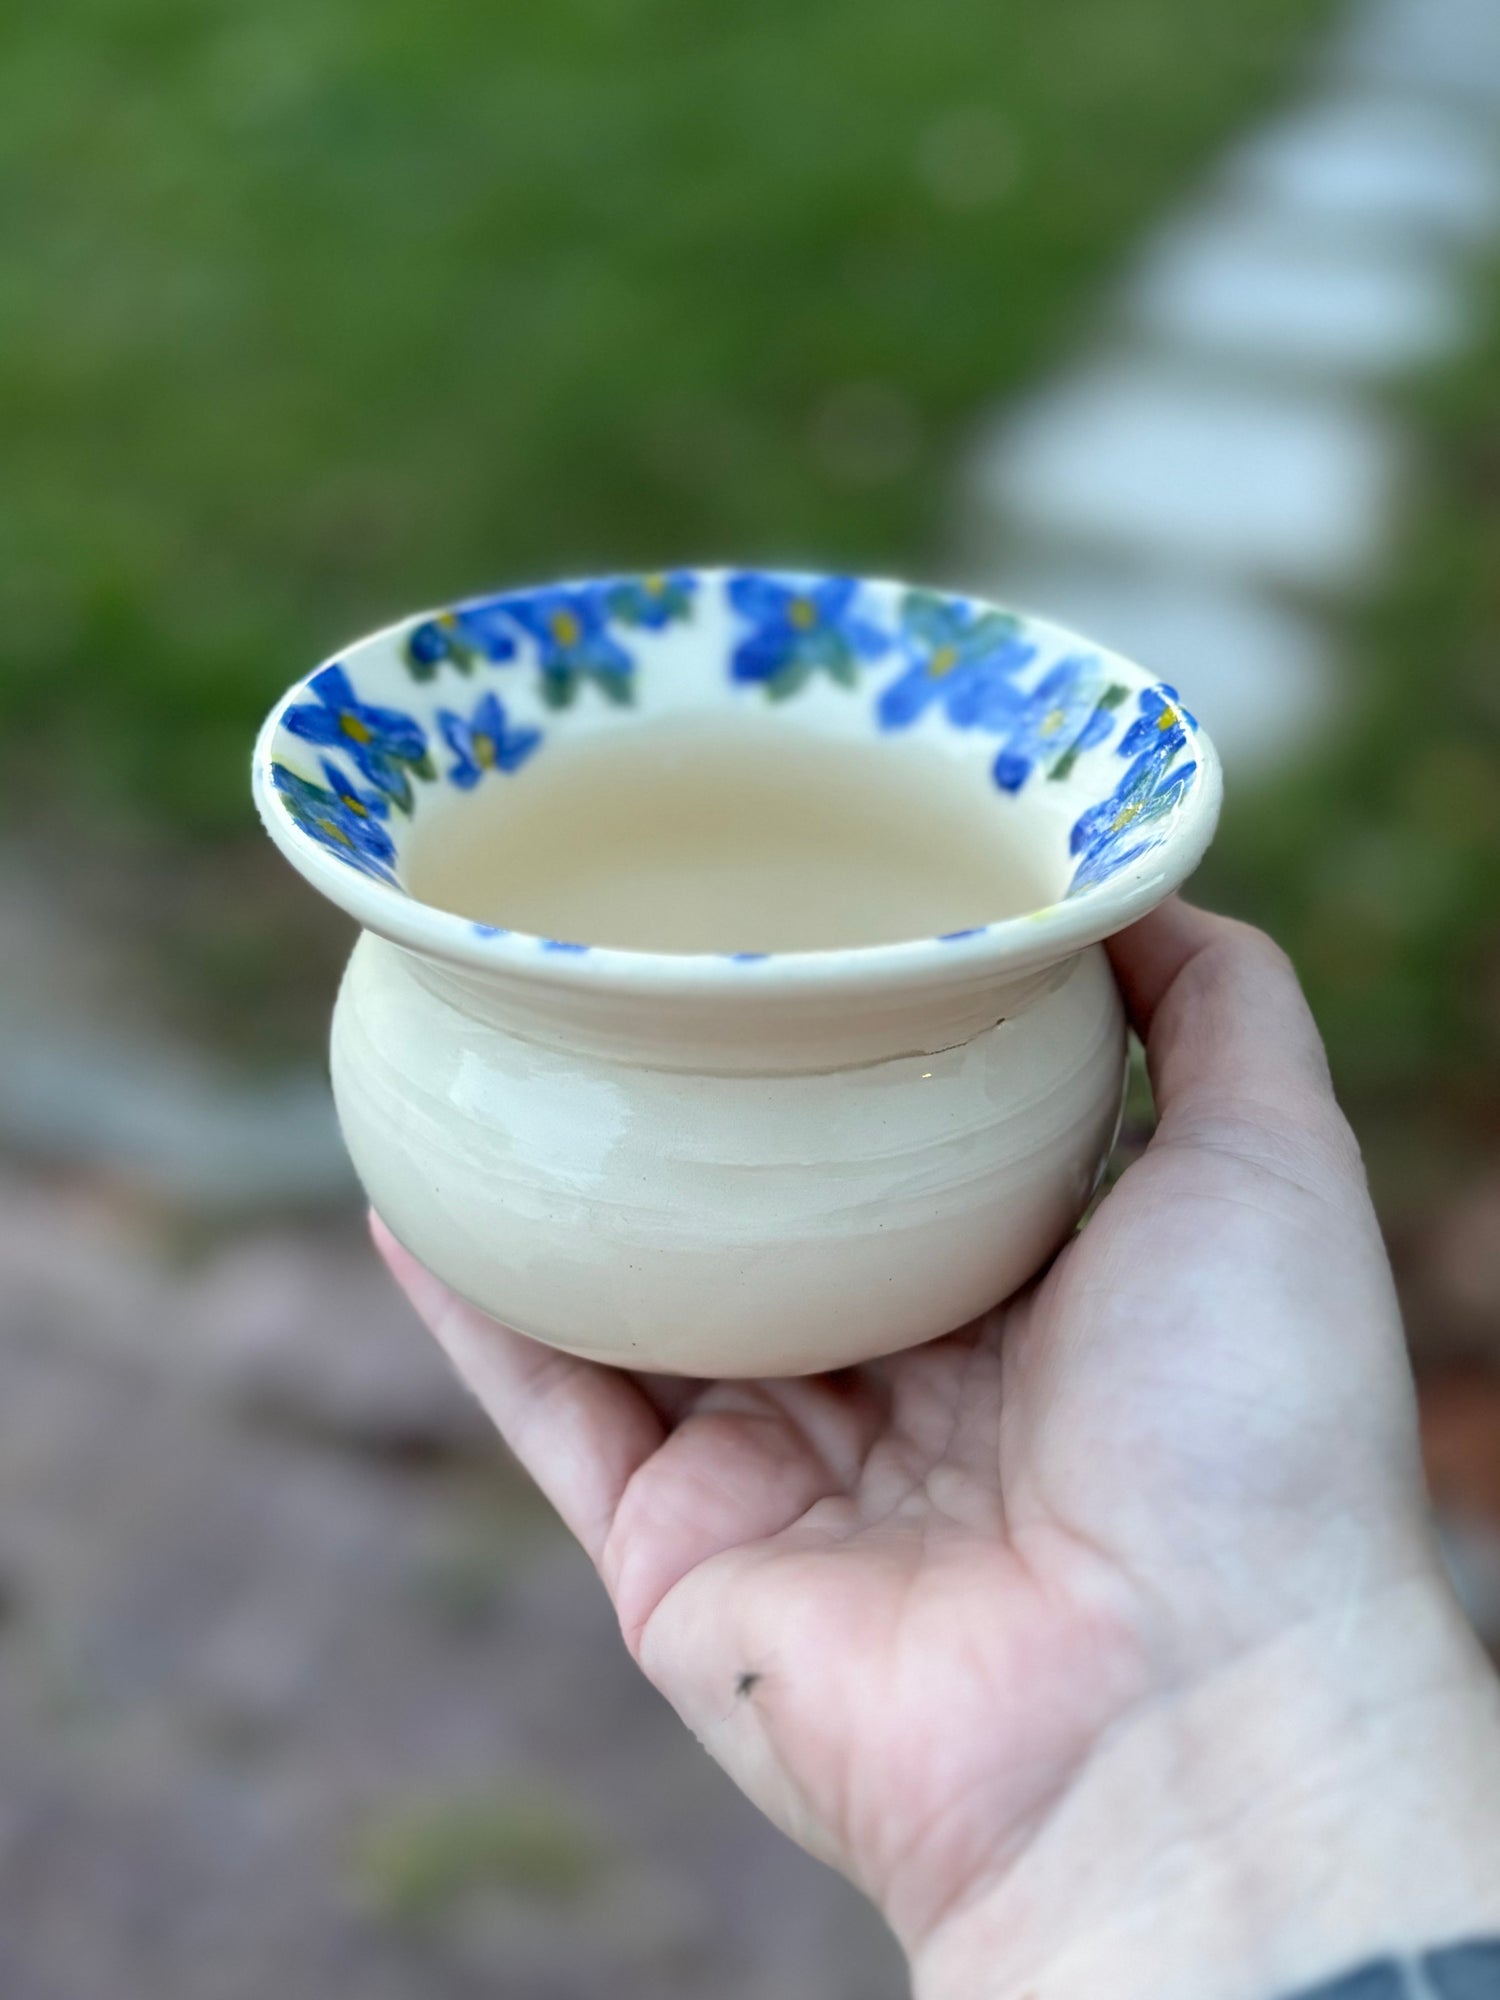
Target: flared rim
(1008, 945)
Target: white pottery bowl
(738, 1164)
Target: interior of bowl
(1096, 766)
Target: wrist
(1331, 1797)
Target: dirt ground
(302, 1691)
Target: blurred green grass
(414, 1863)
(325, 309)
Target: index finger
(582, 1431)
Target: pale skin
(1103, 1644)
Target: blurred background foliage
(1377, 863)
(323, 309)
(320, 311)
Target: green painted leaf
(993, 626)
(922, 610)
(788, 680)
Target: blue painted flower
(1068, 712)
(485, 742)
(1160, 722)
(800, 628)
(961, 655)
(473, 631)
(570, 628)
(351, 831)
(387, 746)
(1117, 830)
(363, 805)
(661, 598)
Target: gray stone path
(95, 1072)
(1221, 473)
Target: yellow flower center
(654, 586)
(354, 728)
(803, 613)
(448, 622)
(1124, 816)
(1052, 721)
(565, 628)
(1166, 719)
(334, 832)
(353, 804)
(484, 750)
(943, 661)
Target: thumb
(1236, 1061)
(1251, 1198)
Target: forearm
(1328, 1803)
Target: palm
(901, 1604)
(822, 1575)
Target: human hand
(1076, 1637)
